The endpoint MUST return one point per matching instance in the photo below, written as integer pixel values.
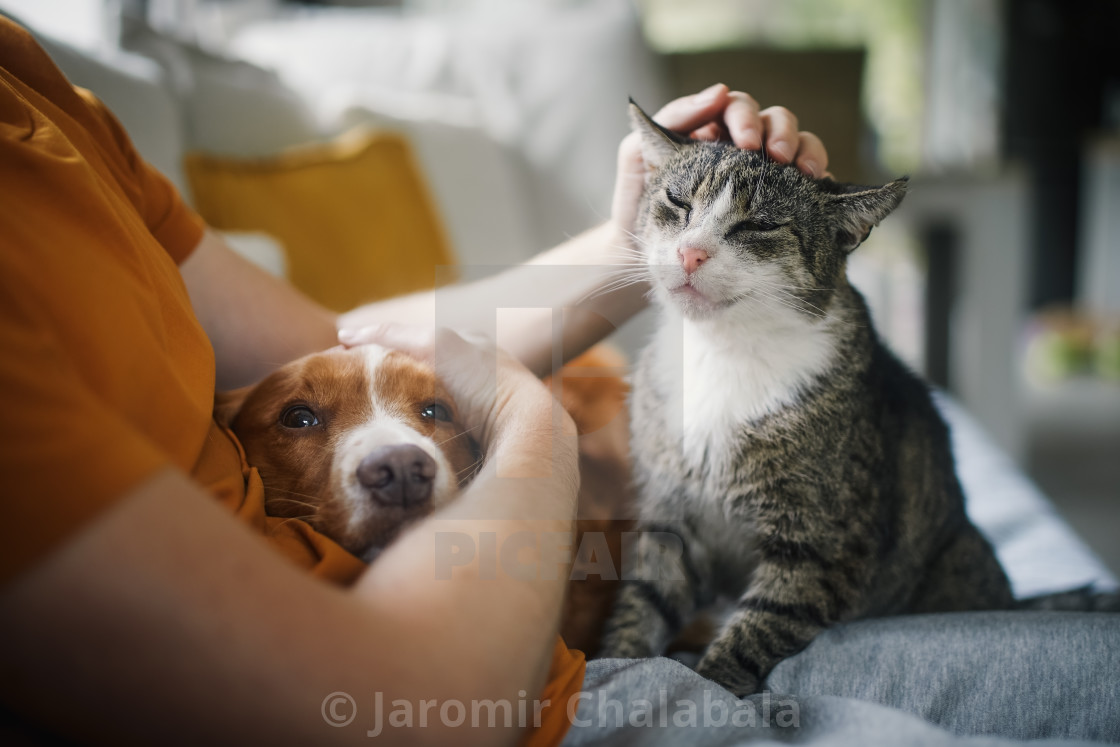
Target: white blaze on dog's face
(356, 442)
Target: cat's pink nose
(692, 258)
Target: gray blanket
(959, 679)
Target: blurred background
(999, 277)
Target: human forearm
(504, 542)
(166, 620)
(499, 557)
(576, 280)
(257, 322)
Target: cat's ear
(658, 143)
(854, 210)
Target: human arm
(255, 321)
(167, 620)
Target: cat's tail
(1084, 599)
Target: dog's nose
(399, 475)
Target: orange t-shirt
(107, 374)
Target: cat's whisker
(624, 275)
(772, 284)
(637, 239)
(622, 282)
(630, 265)
(637, 243)
(625, 262)
(642, 269)
(817, 313)
(795, 304)
(631, 271)
(627, 251)
(798, 299)
(802, 304)
(625, 255)
(613, 286)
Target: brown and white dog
(358, 443)
(361, 442)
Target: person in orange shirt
(133, 607)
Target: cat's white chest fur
(724, 373)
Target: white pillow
(231, 107)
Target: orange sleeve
(176, 226)
(97, 135)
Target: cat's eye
(680, 202)
(436, 411)
(755, 226)
(299, 416)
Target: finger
(691, 112)
(744, 125)
(781, 133)
(415, 341)
(710, 132)
(812, 158)
(350, 337)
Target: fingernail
(812, 167)
(349, 336)
(780, 152)
(750, 138)
(708, 95)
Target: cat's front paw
(724, 670)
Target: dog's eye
(436, 411)
(298, 416)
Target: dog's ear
(228, 404)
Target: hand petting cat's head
(723, 228)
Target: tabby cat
(805, 470)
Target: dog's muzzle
(398, 475)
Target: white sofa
(515, 119)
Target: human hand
(493, 391)
(717, 113)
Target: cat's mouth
(692, 299)
(689, 290)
